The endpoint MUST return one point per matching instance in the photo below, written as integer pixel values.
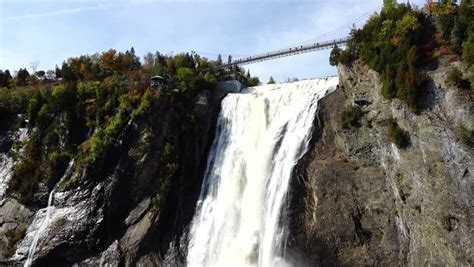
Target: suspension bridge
(291, 51)
(304, 47)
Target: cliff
(124, 209)
(358, 199)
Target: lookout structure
(158, 82)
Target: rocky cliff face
(125, 209)
(357, 199)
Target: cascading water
(260, 137)
(7, 161)
(46, 220)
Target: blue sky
(50, 31)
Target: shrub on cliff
(103, 138)
(57, 164)
(455, 78)
(396, 135)
(351, 117)
(465, 136)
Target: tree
(148, 60)
(271, 80)
(108, 60)
(57, 72)
(335, 54)
(40, 73)
(389, 5)
(468, 52)
(254, 81)
(131, 61)
(67, 73)
(21, 77)
(5, 78)
(412, 56)
(445, 18)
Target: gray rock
(359, 200)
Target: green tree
(5, 78)
(334, 56)
(396, 135)
(253, 81)
(21, 77)
(271, 80)
(63, 96)
(67, 74)
(389, 5)
(57, 72)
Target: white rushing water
(6, 165)
(260, 136)
(45, 221)
(7, 162)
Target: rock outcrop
(357, 199)
(127, 208)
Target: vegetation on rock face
(168, 168)
(399, 40)
(455, 78)
(396, 135)
(351, 117)
(13, 237)
(393, 43)
(80, 109)
(464, 135)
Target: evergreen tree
(67, 73)
(5, 78)
(57, 72)
(334, 57)
(271, 80)
(21, 77)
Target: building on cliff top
(158, 82)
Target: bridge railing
(287, 52)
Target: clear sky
(50, 31)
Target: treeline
(79, 110)
(400, 39)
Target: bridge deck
(287, 52)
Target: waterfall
(7, 160)
(46, 220)
(240, 216)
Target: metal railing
(287, 52)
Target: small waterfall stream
(46, 220)
(261, 134)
